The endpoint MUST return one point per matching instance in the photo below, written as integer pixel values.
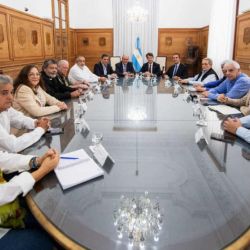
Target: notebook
(72, 171)
(224, 109)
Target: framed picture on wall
(85, 41)
(102, 41)
(168, 41)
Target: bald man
(125, 67)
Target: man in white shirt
(32, 237)
(62, 76)
(10, 118)
(240, 127)
(206, 75)
(80, 73)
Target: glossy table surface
(204, 190)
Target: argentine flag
(137, 56)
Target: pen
(68, 158)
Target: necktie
(124, 68)
(105, 70)
(175, 69)
(150, 68)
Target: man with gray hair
(80, 73)
(62, 76)
(52, 85)
(206, 86)
(206, 75)
(9, 117)
(236, 85)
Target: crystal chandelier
(137, 14)
(138, 219)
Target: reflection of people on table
(240, 127)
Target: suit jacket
(156, 68)
(119, 68)
(98, 70)
(181, 71)
(55, 88)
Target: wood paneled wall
(23, 39)
(176, 40)
(91, 43)
(242, 45)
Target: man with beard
(53, 86)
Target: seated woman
(32, 236)
(30, 97)
(10, 118)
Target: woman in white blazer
(30, 97)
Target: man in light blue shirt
(235, 86)
(240, 127)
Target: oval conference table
(202, 185)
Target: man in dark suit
(124, 68)
(103, 68)
(53, 86)
(177, 70)
(150, 68)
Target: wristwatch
(33, 163)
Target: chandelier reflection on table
(137, 14)
(139, 219)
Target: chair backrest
(162, 61)
(114, 60)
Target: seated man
(200, 87)
(32, 236)
(236, 85)
(62, 71)
(80, 73)
(124, 68)
(52, 85)
(240, 127)
(178, 69)
(206, 75)
(9, 117)
(103, 68)
(150, 68)
(243, 103)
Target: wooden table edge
(57, 235)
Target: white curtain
(221, 31)
(125, 32)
